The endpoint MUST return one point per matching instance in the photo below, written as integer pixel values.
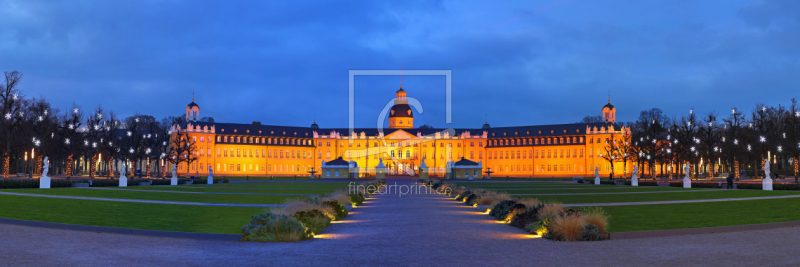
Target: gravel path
(417, 230)
(147, 201)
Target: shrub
(784, 186)
(437, 185)
(501, 210)
(607, 182)
(526, 216)
(567, 228)
(597, 217)
(580, 181)
(104, 182)
(270, 227)
(472, 199)
(32, 183)
(591, 232)
(648, 183)
(460, 197)
(339, 210)
(315, 220)
(357, 198)
(158, 181)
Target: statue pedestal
(123, 181)
(766, 184)
(210, 180)
(173, 181)
(44, 182)
(597, 180)
(634, 181)
(687, 183)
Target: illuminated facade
(562, 150)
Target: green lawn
(231, 190)
(200, 219)
(570, 199)
(599, 190)
(160, 196)
(696, 215)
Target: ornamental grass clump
(551, 209)
(566, 228)
(270, 227)
(492, 198)
(315, 220)
(339, 210)
(597, 217)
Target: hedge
(31, 183)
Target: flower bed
(301, 219)
(547, 220)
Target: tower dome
(401, 116)
(192, 111)
(609, 113)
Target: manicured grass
(696, 215)
(254, 178)
(160, 196)
(711, 194)
(226, 190)
(200, 219)
(586, 191)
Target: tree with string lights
(732, 140)
(70, 138)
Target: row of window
(260, 140)
(261, 153)
(537, 141)
(400, 144)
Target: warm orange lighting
(488, 211)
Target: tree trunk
(69, 166)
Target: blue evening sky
(519, 63)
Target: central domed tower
(401, 117)
(609, 113)
(192, 111)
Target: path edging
(124, 231)
(703, 230)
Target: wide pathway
(390, 230)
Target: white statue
(596, 175)
(174, 179)
(46, 168)
(687, 182)
(766, 184)
(123, 181)
(686, 170)
(634, 179)
(44, 181)
(210, 175)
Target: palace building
(559, 150)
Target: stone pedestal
(210, 180)
(687, 183)
(44, 182)
(173, 181)
(766, 184)
(123, 181)
(597, 180)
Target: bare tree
(12, 114)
